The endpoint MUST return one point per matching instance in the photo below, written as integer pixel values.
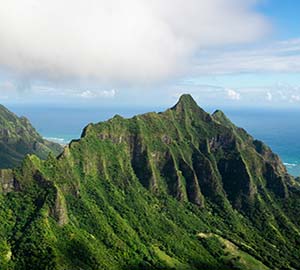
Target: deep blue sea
(280, 129)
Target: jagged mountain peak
(174, 190)
(187, 98)
(185, 101)
(219, 113)
(187, 107)
(221, 117)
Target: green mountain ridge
(181, 189)
(18, 138)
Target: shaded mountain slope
(181, 189)
(18, 138)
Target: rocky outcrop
(59, 209)
(8, 182)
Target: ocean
(277, 128)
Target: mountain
(18, 138)
(181, 189)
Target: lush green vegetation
(177, 190)
(18, 138)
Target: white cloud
(109, 93)
(94, 94)
(232, 94)
(87, 94)
(279, 94)
(46, 91)
(282, 95)
(280, 56)
(131, 41)
(7, 90)
(295, 98)
(7, 86)
(269, 96)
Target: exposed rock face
(190, 155)
(8, 182)
(135, 193)
(18, 138)
(59, 209)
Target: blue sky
(284, 15)
(147, 53)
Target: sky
(148, 52)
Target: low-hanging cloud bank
(118, 40)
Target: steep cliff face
(181, 189)
(18, 138)
(187, 153)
